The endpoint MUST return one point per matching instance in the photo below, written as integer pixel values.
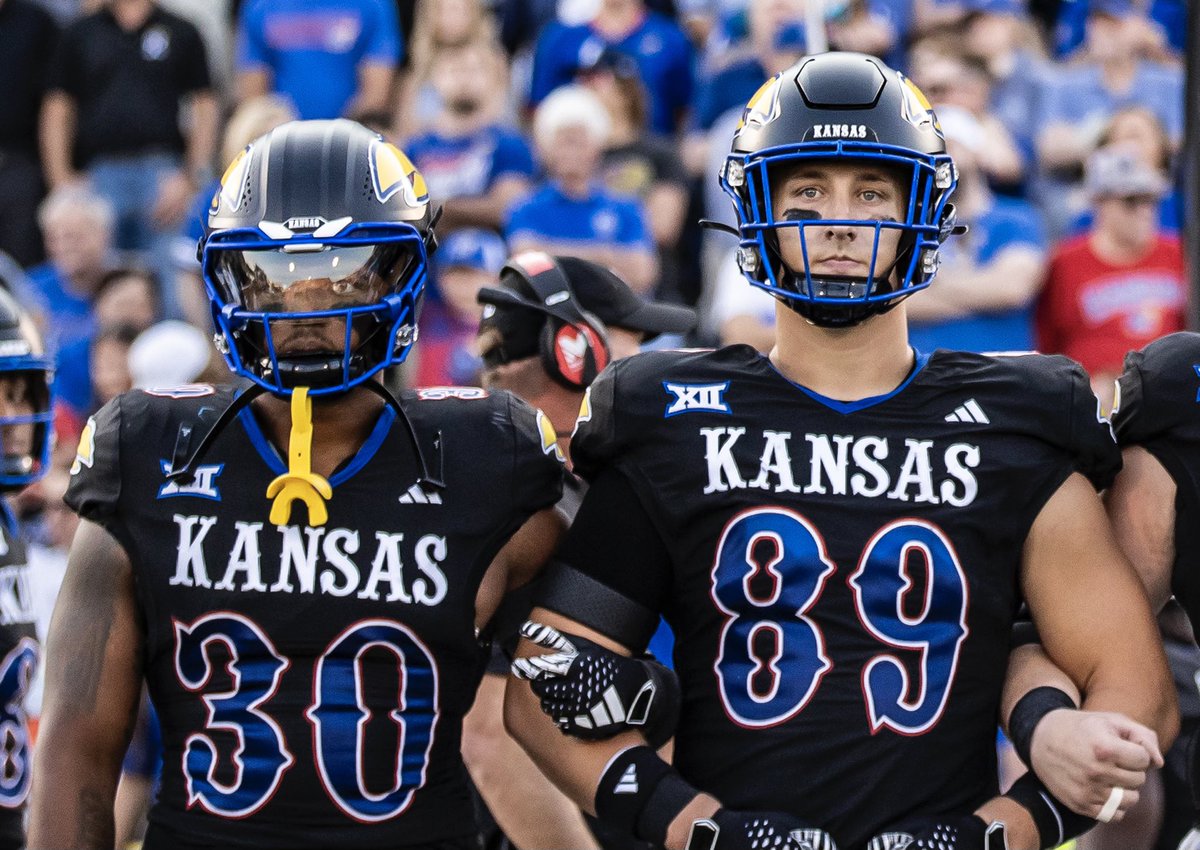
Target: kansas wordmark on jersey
(311, 681)
(841, 577)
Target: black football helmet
(317, 224)
(23, 357)
(844, 107)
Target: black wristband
(666, 802)
(1028, 713)
(1056, 823)
(627, 794)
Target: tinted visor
(315, 279)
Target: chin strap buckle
(300, 482)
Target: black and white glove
(730, 830)
(951, 833)
(1191, 841)
(594, 693)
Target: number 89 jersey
(311, 681)
(841, 578)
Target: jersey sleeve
(594, 444)
(1159, 390)
(95, 487)
(1092, 444)
(537, 460)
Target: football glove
(951, 833)
(593, 693)
(730, 830)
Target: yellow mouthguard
(300, 482)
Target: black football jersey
(311, 681)
(19, 653)
(1158, 407)
(841, 578)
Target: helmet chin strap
(300, 483)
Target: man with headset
(548, 329)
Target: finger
(546, 637)
(1111, 806)
(1124, 754)
(1144, 736)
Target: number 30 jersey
(311, 681)
(19, 653)
(841, 577)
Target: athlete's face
(16, 399)
(844, 191)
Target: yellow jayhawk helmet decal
(549, 436)
(392, 171)
(85, 454)
(763, 106)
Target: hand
(1081, 756)
(951, 833)
(589, 691)
(729, 830)
(175, 195)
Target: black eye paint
(795, 214)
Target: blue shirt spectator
(463, 166)
(660, 48)
(1170, 15)
(1008, 223)
(312, 51)
(550, 215)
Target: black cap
(597, 290)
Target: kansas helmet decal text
(689, 398)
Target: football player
(26, 440)
(840, 533)
(1155, 500)
(299, 573)
(547, 330)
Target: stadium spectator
(741, 315)
(983, 296)
(1120, 285)
(467, 261)
(571, 213)
(438, 25)
(950, 78)
(660, 48)
(77, 227)
(110, 363)
(28, 35)
(1081, 98)
(330, 57)
(775, 41)
(639, 164)
(1163, 24)
(125, 297)
(470, 160)
(112, 112)
(1138, 130)
(172, 353)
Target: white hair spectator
(571, 106)
(168, 354)
(78, 199)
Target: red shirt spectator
(1120, 285)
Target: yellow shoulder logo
(85, 455)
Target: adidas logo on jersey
(417, 496)
(629, 781)
(969, 411)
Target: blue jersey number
(770, 569)
(338, 715)
(15, 672)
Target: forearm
(1020, 828)
(202, 140)
(74, 788)
(484, 210)
(374, 88)
(636, 266)
(57, 134)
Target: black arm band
(1056, 824)
(573, 594)
(1024, 632)
(641, 794)
(1028, 713)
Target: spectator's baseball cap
(598, 291)
(1118, 173)
(472, 248)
